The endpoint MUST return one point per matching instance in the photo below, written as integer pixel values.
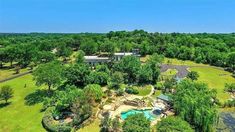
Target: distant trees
(48, 74)
(194, 103)
(6, 92)
(64, 51)
(173, 124)
(89, 46)
(193, 75)
(136, 123)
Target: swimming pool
(147, 113)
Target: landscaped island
(119, 81)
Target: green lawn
(143, 91)
(215, 77)
(93, 127)
(181, 62)
(6, 73)
(18, 116)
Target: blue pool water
(147, 113)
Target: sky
(74, 16)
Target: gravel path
(182, 69)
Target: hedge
(50, 125)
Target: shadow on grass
(4, 104)
(36, 97)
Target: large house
(94, 60)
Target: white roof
(95, 58)
(122, 54)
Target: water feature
(147, 113)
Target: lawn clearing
(18, 116)
(215, 78)
(93, 127)
(144, 91)
(6, 73)
(181, 62)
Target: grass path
(18, 116)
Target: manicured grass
(181, 62)
(215, 78)
(93, 127)
(143, 91)
(6, 73)
(157, 93)
(18, 116)
(169, 72)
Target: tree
(173, 124)
(82, 110)
(194, 103)
(116, 80)
(154, 62)
(77, 74)
(145, 74)
(48, 74)
(93, 92)
(110, 125)
(80, 57)
(129, 65)
(231, 60)
(89, 46)
(106, 124)
(6, 93)
(44, 57)
(136, 123)
(64, 51)
(169, 84)
(230, 88)
(193, 75)
(102, 68)
(100, 78)
(63, 99)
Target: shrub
(131, 90)
(49, 124)
(120, 92)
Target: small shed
(164, 98)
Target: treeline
(214, 49)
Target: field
(215, 77)
(19, 116)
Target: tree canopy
(173, 124)
(136, 123)
(194, 102)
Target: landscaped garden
(111, 90)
